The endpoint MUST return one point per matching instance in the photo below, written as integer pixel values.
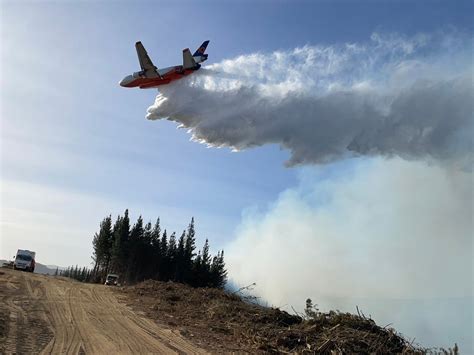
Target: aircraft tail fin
(202, 48)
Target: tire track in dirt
(27, 328)
(51, 315)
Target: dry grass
(223, 322)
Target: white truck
(24, 260)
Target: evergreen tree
(190, 240)
(197, 271)
(172, 256)
(218, 272)
(189, 247)
(143, 252)
(121, 243)
(102, 245)
(116, 244)
(164, 265)
(197, 263)
(164, 243)
(206, 258)
(157, 253)
(147, 264)
(202, 267)
(181, 263)
(56, 272)
(135, 251)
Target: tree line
(80, 274)
(143, 251)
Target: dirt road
(50, 315)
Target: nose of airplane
(125, 81)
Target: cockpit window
(138, 74)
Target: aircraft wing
(188, 60)
(145, 62)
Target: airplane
(151, 77)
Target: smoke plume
(408, 97)
(391, 236)
(390, 230)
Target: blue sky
(75, 146)
(66, 124)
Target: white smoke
(391, 236)
(392, 229)
(410, 97)
(411, 220)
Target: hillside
(224, 322)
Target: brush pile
(223, 322)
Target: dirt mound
(224, 322)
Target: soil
(49, 315)
(52, 315)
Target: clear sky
(75, 146)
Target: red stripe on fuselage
(175, 74)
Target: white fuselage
(166, 75)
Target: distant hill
(3, 262)
(46, 269)
(40, 268)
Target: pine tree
(181, 264)
(202, 276)
(197, 271)
(121, 243)
(135, 251)
(218, 271)
(206, 258)
(116, 244)
(83, 274)
(164, 243)
(157, 250)
(107, 243)
(164, 262)
(102, 245)
(143, 252)
(147, 264)
(172, 256)
(189, 247)
(56, 272)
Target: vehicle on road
(111, 280)
(24, 260)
